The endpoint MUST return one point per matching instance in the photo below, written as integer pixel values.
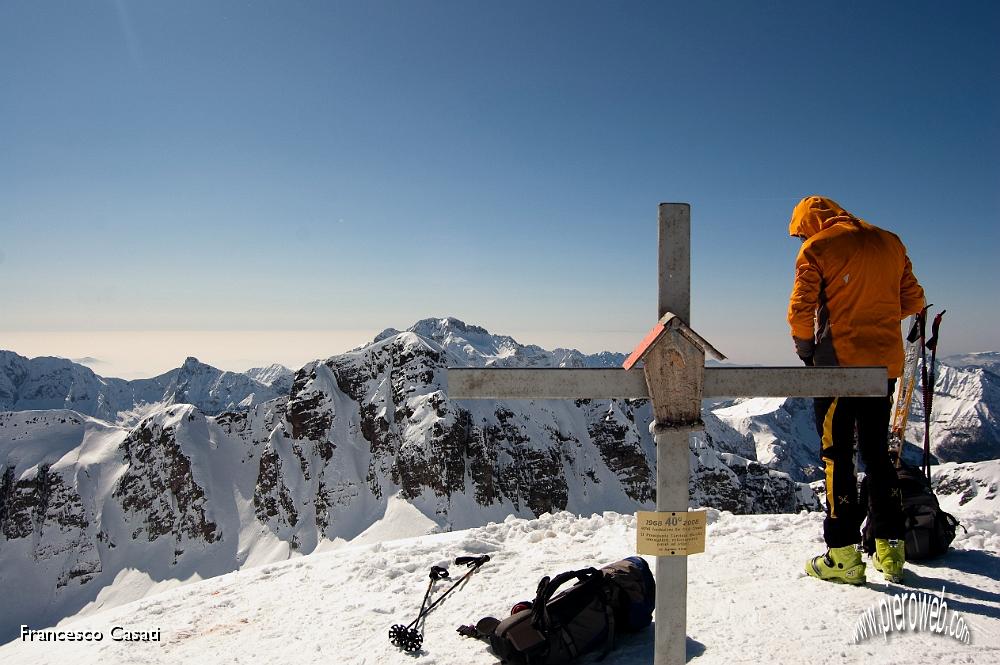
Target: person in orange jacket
(854, 284)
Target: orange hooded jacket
(853, 285)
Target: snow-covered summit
(338, 606)
(276, 376)
(474, 346)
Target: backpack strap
(547, 587)
(609, 611)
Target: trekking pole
(474, 563)
(929, 392)
(408, 637)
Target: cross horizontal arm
(508, 383)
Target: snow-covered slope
(92, 514)
(971, 491)
(277, 377)
(965, 424)
(57, 383)
(783, 431)
(965, 415)
(749, 601)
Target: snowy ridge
(57, 383)
(988, 360)
(965, 415)
(278, 377)
(473, 346)
(964, 424)
(783, 432)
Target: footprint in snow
(476, 546)
(539, 535)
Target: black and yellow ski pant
(839, 420)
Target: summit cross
(676, 380)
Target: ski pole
(927, 390)
(932, 344)
(437, 573)
(408, 637)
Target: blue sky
(285, 166)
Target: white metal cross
(677, 409)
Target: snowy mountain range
(110, 489)
(987, 360)
(57, 383)
(965, 423)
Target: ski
(906, 385)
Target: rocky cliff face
(46, 507)
(965, 421)
(456, 459)
(157, 489)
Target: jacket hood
(814, 214)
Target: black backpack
(559, 627)
(929, 530)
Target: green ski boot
(889, 557)
(839, 564)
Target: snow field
(749, 600)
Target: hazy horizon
(130, 354)
(142, 354)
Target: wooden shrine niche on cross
(675, 379)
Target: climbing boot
(839, 564)
(889, 557)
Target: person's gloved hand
(805, 349)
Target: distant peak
(386, 334)
(192, 364)
(444, 325)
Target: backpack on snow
(559, 627)
(928, 529)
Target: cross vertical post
(675, 380)
(672, 463)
